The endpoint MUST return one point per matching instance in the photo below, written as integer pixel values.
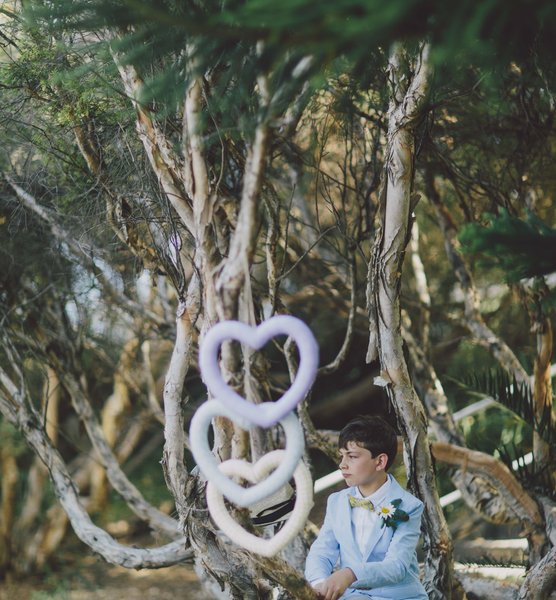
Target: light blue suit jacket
(388, 568)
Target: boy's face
(359, 468)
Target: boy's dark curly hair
(373, 433)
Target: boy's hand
(336, 584)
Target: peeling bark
(173, 461)
(540, 581)
(242, 245)
(165, 163)
(422, 287)
(408, 96)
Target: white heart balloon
(255, 473)
(267, 413)
(206, 461)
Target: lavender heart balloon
(267, 413)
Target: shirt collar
(377, 496)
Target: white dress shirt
(363, 520)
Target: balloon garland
(273, 470)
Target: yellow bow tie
(361, 502)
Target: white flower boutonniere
(386, 511)
(391, 514)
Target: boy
(373, 526)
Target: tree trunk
(37, 473)
(542, 393)
(111, 420)
(540, 581)
(407, 107)
(173, 461)
(9, 471)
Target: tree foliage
(520, 248)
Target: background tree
(247, 162)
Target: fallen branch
(498, 474)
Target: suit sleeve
(324, 552)
(393, 568)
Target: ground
(97, 580)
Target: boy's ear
(382, 461)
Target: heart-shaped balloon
(206, 461)
(254, 474)
(267, 413)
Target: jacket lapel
(395, 491)
(344, 521)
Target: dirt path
(96, 580)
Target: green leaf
(517, 397)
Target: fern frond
(515, 396)
(528, 472)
